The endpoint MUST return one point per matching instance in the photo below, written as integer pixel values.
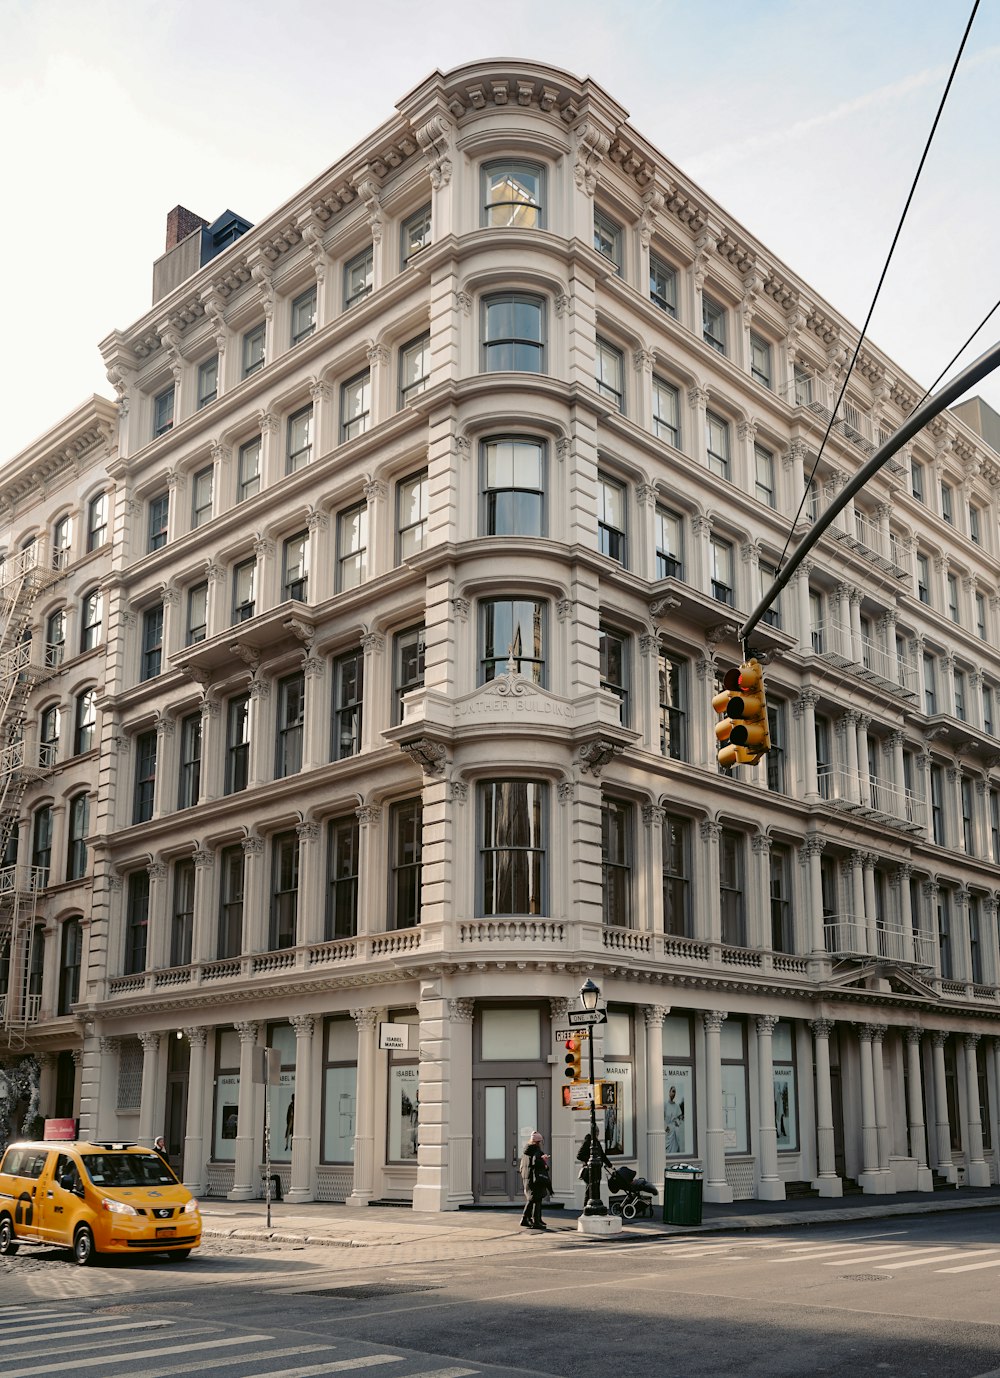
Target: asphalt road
(904, 1298)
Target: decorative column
(857, 647)
(157, 920)
(826, 1182)
(652, 900)
(364, 1134)
(881, 1107)
(847, 729)
(106, 1126)
(369, 817)
(698, 402)
(648, 696)
(210, 781)
(803, 611)
(203, 937)
(868, 860)
(46, 1084)
(261, 763)
(316, 728)
(945, 1166)
(709, 916)
(855, 877)
(759, 898)
(812, 852)
(701, 530)
(301, 1188)
(805, 709)
(373, 645)
(310, 915)
(915, 1109)
(255, 915)
(870, 1178)
(901, 881)
(656, 1137)
(770, 1187)
(147, 1102)
(978, 1168)
(716, 1186)
(244, 1185)
(459, 1192)
(864, 787)
(194, 1130)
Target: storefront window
(340, 1090)
(786, 1120)
(227, 1096)
(735, 1125)
(281, 1098)
(404, 1098)
(619, 1072)
(511, 1035)
(678, 1086)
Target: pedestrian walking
(160, 1147)
(537, 1182)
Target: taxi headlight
(117, 1207)
(191, 1207)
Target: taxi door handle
(50, 1194)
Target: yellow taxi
(95, 1199)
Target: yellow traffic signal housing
(743, 732)
(574, 1059)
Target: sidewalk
(352, 1227)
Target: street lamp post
(589, 995)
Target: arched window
(76, 847)
(41, 842)
(91, 620)
(62, 535)
(55, 638)
(513, 333)
(71, 959)
(97, 522)
(48, 736)
(86, 722)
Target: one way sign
(587, 1016)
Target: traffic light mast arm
(927, 410)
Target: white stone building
(436, 500)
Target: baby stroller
(636, 1193)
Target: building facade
(433, 504)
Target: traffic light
(742, 734)
(574, 1059)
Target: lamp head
(590, 994)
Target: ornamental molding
(368, 815)
(435, 140)
(592, 146)
(373, 643)
(594, 756)
(368, 189)
(429, 755)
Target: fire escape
(22, 577)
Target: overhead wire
(882, 277)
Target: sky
(804, 120)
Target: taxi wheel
(83, 1247)
(8, 1244)
(179, 1255)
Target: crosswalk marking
(23, 1324)
(201, 1345)
(869, 1258)
(45, 1333)
(972, 1267)
(947, 1258)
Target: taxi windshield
(127, 1170)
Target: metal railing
(869, 795)
(14, 1010)
(23, 880)
(848, 937)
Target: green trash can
(682, 1195)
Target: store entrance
(175, 1108)
(505, 1111)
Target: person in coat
(536, 1180)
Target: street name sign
(562, 1034)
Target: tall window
(713, 324)
(189, 783)
(760, 359)
(231, 868)
(158, 514)
(923, 578)
(930, 683)
(414, 367)
(291, 724)
(775, 758)
(608, 239)
(348, 693)
(672, 676)
(244, 581)
(342, 849)
(732, 888)
(86, 722)
(152, 642)
(513, 333)
(145, 777)
(721, 560)
(946, 503)
(717, 444)
(803, 388)
(763, 475)
(611, 373)
(253, 349)
(76, 844)
(958, 680)
(662, 285)
(208, 381)
(49, 728)
(41, 841)
(782, 937)
(968, 826)
(97, 522)
(70, 963)
(62, 534)
(677, 877)
(201, 497)
(981, 616)
(406, 851)
(974, 525)
(666, 412)
(299, 440)
(295, 568)
(182, 919)
(766, 575)
(513, 487)
(136, 922)
(512, 629)
(408, 666)
(611, 505)
(975, 940)
(616, 862)
(512, 847)
(944, 933)
(614, 652)
(284, 890)
(355, 405)
(304, 315)
(197, 615)
(163, 411)
(359, 277)
(937, 805)
(669, 544)
(988, 709)
(953, 597)
(248, 470)
(415, 234)
(512, 195)
(352, 546)
(917, 479)
(411, 514)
